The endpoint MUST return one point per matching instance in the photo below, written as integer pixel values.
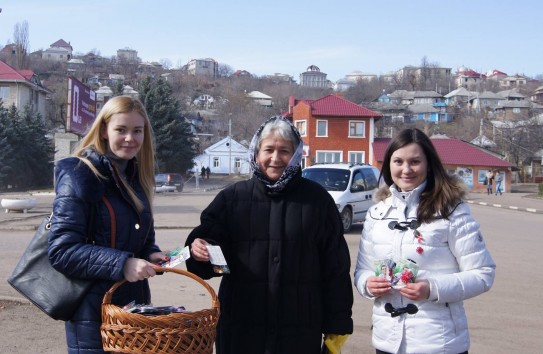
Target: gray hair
(278, 128)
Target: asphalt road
(504, 320)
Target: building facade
(334, 130)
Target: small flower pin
(420, 250)
(418, 236)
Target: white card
(215, 255)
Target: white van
(351, 186)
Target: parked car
(169, 182)
(351, 186)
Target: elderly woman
(282, 238)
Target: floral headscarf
(293, 166)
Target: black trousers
(377, 351)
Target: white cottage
(224, 157)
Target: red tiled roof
(9, 73)
(8, 48)
(61, 43)
(498, 73)
(332, 105)
(452, 152)
(27, 74)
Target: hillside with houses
(496, 111)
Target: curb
(20, 300)
(529, 210)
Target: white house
(260, 98)
(224, 157)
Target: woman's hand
(158, 257)
(136, 269)
(198, 250)
(378, 286)
(416, 291)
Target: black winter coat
(289, 261)
(77, 190)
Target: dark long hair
(442, 193)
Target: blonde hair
(145, 156)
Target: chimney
(290, 104)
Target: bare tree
(166, 63)
(20, 36)
(365, 91)
(56, 104)
(225, 70)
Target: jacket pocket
(458, 316)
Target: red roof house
(334, 130)
(21, 88)
(468, 161)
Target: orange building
(334, 130)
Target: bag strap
(112, 219)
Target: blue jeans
(498, 187)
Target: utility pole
(229, 146)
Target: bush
(540, 187)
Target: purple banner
(81, 110)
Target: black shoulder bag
(35, 278)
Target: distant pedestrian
(499, 180)
(203, 172)
(488, 182)
(208, 171)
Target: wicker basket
(191, 332)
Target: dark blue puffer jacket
(77, 191)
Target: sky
(286, 36)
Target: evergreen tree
(29, 163)
(40, 152)
(173, 136)
(14, 140)
(118, 88)
(7, 157)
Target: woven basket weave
(191, 332)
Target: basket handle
(214, 299)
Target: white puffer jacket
(451, 255)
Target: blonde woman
(109, 174)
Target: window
(328, 156)
(301, 126)
(237, 162)
(356, 157)
(4, 92)
(516, 110)
(359, 184)
(357, 129)
(370, 178)
(216, 162)
(322, 128)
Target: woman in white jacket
(420, 217)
